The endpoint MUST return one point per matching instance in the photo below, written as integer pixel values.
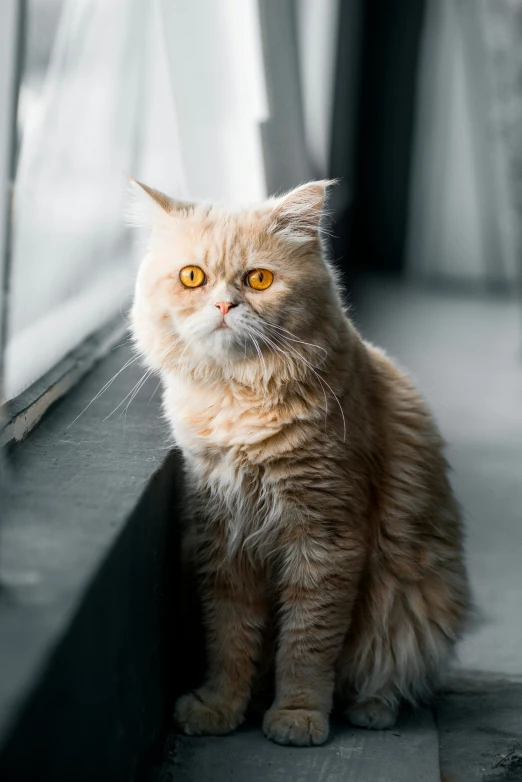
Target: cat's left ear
(297, 215)
(147, 206)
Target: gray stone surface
(465, 354)
(68, 496)
(480, 730)
(408, 753)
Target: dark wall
(372, 226)
(103, 707)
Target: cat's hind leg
(373, 713)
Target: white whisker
(259, 352)
(104, 388)
(128, 395)
(266, 340)
(294, 338)
(299, 356)
(321, 380)
(137, 389)
(154, 392)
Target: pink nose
(224, 306)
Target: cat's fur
(320, 498)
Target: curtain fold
(78, 138)
(217, 80)
(465, 211)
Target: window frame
(12, 39)
(24, 411)
(19, 415)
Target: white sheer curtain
(463, 223)
(171, 91)
(317, 28)
(218, 84)
(70, 268)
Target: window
(70, 266)
(101, 94)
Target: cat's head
(228, 287)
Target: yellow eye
(192, 276)
(259, 279)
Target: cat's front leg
(317, 591)
(234, 612)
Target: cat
(319, 497)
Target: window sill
(25, 410)
(88, 563)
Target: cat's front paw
(300, 727)
(197, 718)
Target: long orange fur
(319, 495)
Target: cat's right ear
(147, 207)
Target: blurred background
(414, 105)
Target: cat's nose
(225, 306)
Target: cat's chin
(227, 343)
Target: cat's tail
(400, 643)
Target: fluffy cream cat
(319, 494)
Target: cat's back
(411, 481)
(395, 399)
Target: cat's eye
(259, 279)
(192, 276)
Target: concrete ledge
(407, 753)
(89, 613)
(479, 716)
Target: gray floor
(408, 753)
(466, 356)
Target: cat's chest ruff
(216, 417)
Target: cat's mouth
(222, 325)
